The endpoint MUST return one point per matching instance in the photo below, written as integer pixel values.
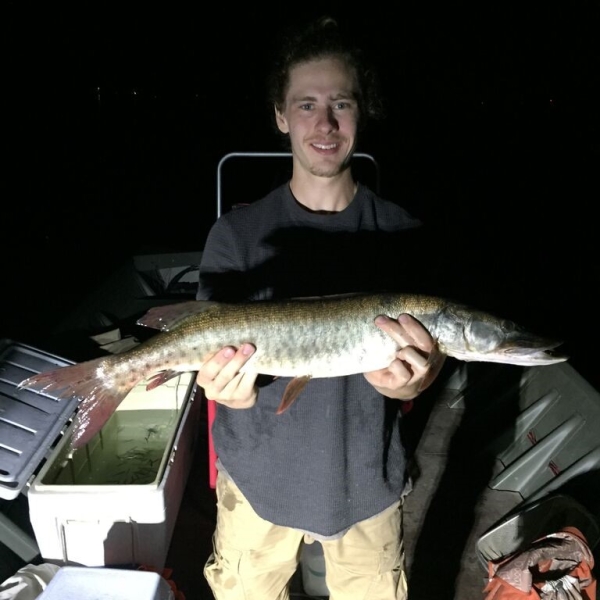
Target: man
(332, 467)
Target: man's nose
(326, 120)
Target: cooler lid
(30, 422)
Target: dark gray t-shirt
(335, 457)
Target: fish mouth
(531, 351)
(524, 353)
(532, 357)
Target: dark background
(116, 117)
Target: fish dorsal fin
(165, 318)
(435, 361)
(327, 297)
(292, 391)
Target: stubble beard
(331, 170)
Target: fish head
(471, 335)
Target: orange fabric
(498, 588)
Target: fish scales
(302, 338)
(320, 337)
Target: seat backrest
(248, 176)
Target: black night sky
(118, 114)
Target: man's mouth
(321, 146)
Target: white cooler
(113, 502)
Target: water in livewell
(130, 450)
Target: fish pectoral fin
(160, 378)
(292, 391)
(435, 362)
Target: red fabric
(212, 455)
(406, 406)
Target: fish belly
(323, 358)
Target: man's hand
(222, 381)
(417, 363)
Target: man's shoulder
(246, 210)
(389, 211)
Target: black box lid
(30, 422)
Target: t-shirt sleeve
(220, 264)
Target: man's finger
(394, 330)
(233, 365)
(417, 332)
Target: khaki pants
(253, 559)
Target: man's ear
(281, 121)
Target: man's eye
(341, 105)
(306, 107)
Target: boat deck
(455, 434)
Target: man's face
(321, 116)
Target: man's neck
(324, 194)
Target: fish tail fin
(99, 398)
(93, 413)
(66, 382)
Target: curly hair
(322, 39)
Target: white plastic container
(115, 501)
(81, 583)
(312, 563)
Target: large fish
(305, 338)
